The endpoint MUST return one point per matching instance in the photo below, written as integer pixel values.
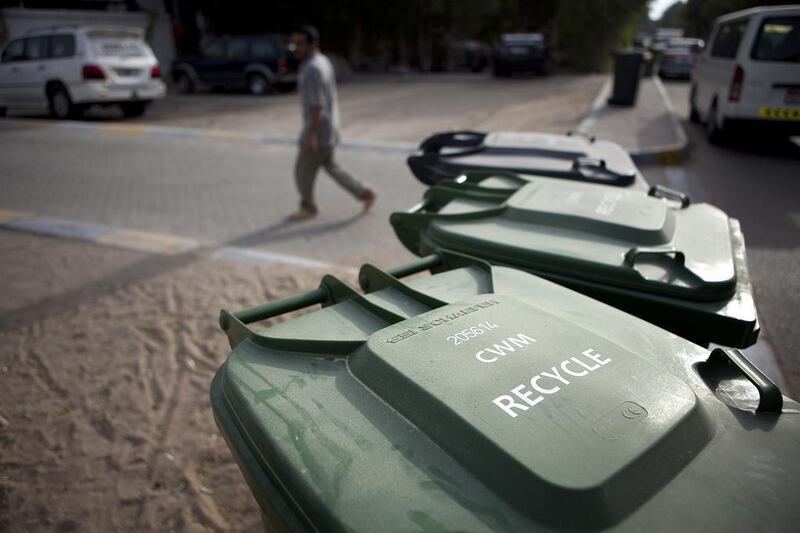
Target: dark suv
(256, 62)
(519, 52)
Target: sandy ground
(105, 362)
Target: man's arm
(313, 128)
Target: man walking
(317, 87)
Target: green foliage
(418, 33)
(589, 30)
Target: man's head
(305, 40)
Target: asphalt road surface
(238, 191)
(757, 181)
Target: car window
(237, 48)
(264, 48)
(215, 49)
(36, 47)
(726, 42)
(778, 40)
(117, 43)
(15, 51)
(62, 46)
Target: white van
(69, 68)
(749, 73)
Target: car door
(10, 72)
(237, 55)
(209, 66)
(772, 65)
(33, 70)
(722, 61)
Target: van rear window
(117, 44)
(778, 40)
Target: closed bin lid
(485, 398)
(575, 157)
(615, 236)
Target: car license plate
(792, 96)
(519, 50)
(779, 113)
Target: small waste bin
(577, 156)
(484, 398)
(627, 71)
(654, 254)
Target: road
(758, 183)
(236, 192)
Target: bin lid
(615, 236)
(485, 398)
(576, 157)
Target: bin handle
(578, 133)
(659, 191)
(632, 254)
(770, 397)
(436, 142)
(591, 162)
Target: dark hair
(310, 32)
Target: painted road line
(57, 227)
(179, 132)
(150, 242)
(145, 241)
(255, 255)
(5, 215)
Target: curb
(668, 154)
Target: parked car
(257, 63)
(70, 68)
(749, 74)
(522, 52)
(679, 58)
(470, 54)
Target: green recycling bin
(484, 398)
(654, 254)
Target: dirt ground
(105, 362)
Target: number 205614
(470, 333)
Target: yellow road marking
(11, 215)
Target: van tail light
(93, 72)
(282, 65)
(155, 72)
(736, 84)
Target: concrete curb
(668, 154)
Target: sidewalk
(649, 130)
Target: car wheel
(133, 109)
(694, 115)
(3, 111)
(61, 106)
(714, 132)
(184, 83)
(257, 84)
(500, 72)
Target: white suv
(69, 69)
(749, 73)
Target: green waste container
(679, 265)
(484, 398)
